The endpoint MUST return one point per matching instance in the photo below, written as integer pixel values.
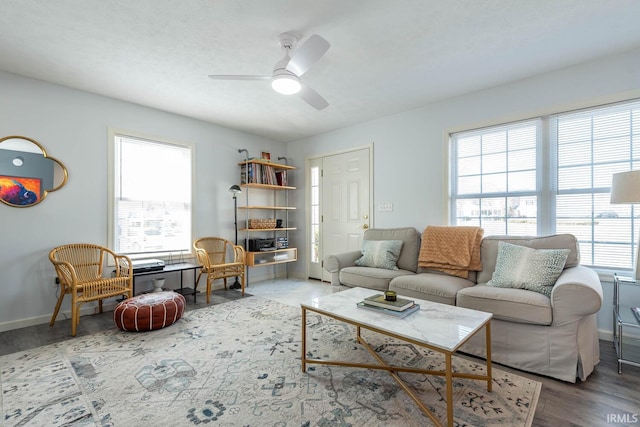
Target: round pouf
(147, 312)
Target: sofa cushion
(489, 250)
(512, 305)
(370, 277)
(472, 276)
(526, 268)
(436, 287)
(380, 254)
(408, 259)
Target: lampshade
(286, 84)
(235, 189)
(625, 187)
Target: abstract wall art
(20, 191)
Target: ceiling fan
(286, 73)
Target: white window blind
(591, 146)
(152, 196)
(494, 178)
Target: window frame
(505, 127)
(113, 133)
(548, 169)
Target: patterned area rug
(238, 364)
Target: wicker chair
(212, 254)
(80, 270)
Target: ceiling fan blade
(234, 77)
(312, 98)
(307, 54)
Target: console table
(180, 267)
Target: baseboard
(299, 276)
(85, 310)
(607, 335)
(262, 273)
(62, 315)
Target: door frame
(326, 277)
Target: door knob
(365, 226)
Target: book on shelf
(636, 311)
(247, 174)
(378, 300)
(395, 313)
(281, 178)
(259, 173)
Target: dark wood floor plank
(18, 340)
(576, 405)
(8, 342)
(546, 420)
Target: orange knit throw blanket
(451, 250)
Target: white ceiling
(385, 57)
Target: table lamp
(625, 189)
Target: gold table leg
(449, 377)
(393, 370)
(488, 346)
(304, 340)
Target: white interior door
(344, 205)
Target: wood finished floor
(604, 399)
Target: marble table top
(439, 325)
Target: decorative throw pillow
(380, 254)
(527, 268)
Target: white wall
(72, 126)
(409, 164)
(410, 149)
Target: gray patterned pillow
(527, 268)
(380, 254)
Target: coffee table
(438, 327)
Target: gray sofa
(554, 336)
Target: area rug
(238, 364)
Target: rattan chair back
(219, 259)
(212, 250)
(89, 272)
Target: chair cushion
(150, 311)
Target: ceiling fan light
(285, 84)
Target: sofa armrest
(334, 263)
(576, 294)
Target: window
(517, 179)
(151, 203)
(591, 146)
(315, 214)
(496, 178)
